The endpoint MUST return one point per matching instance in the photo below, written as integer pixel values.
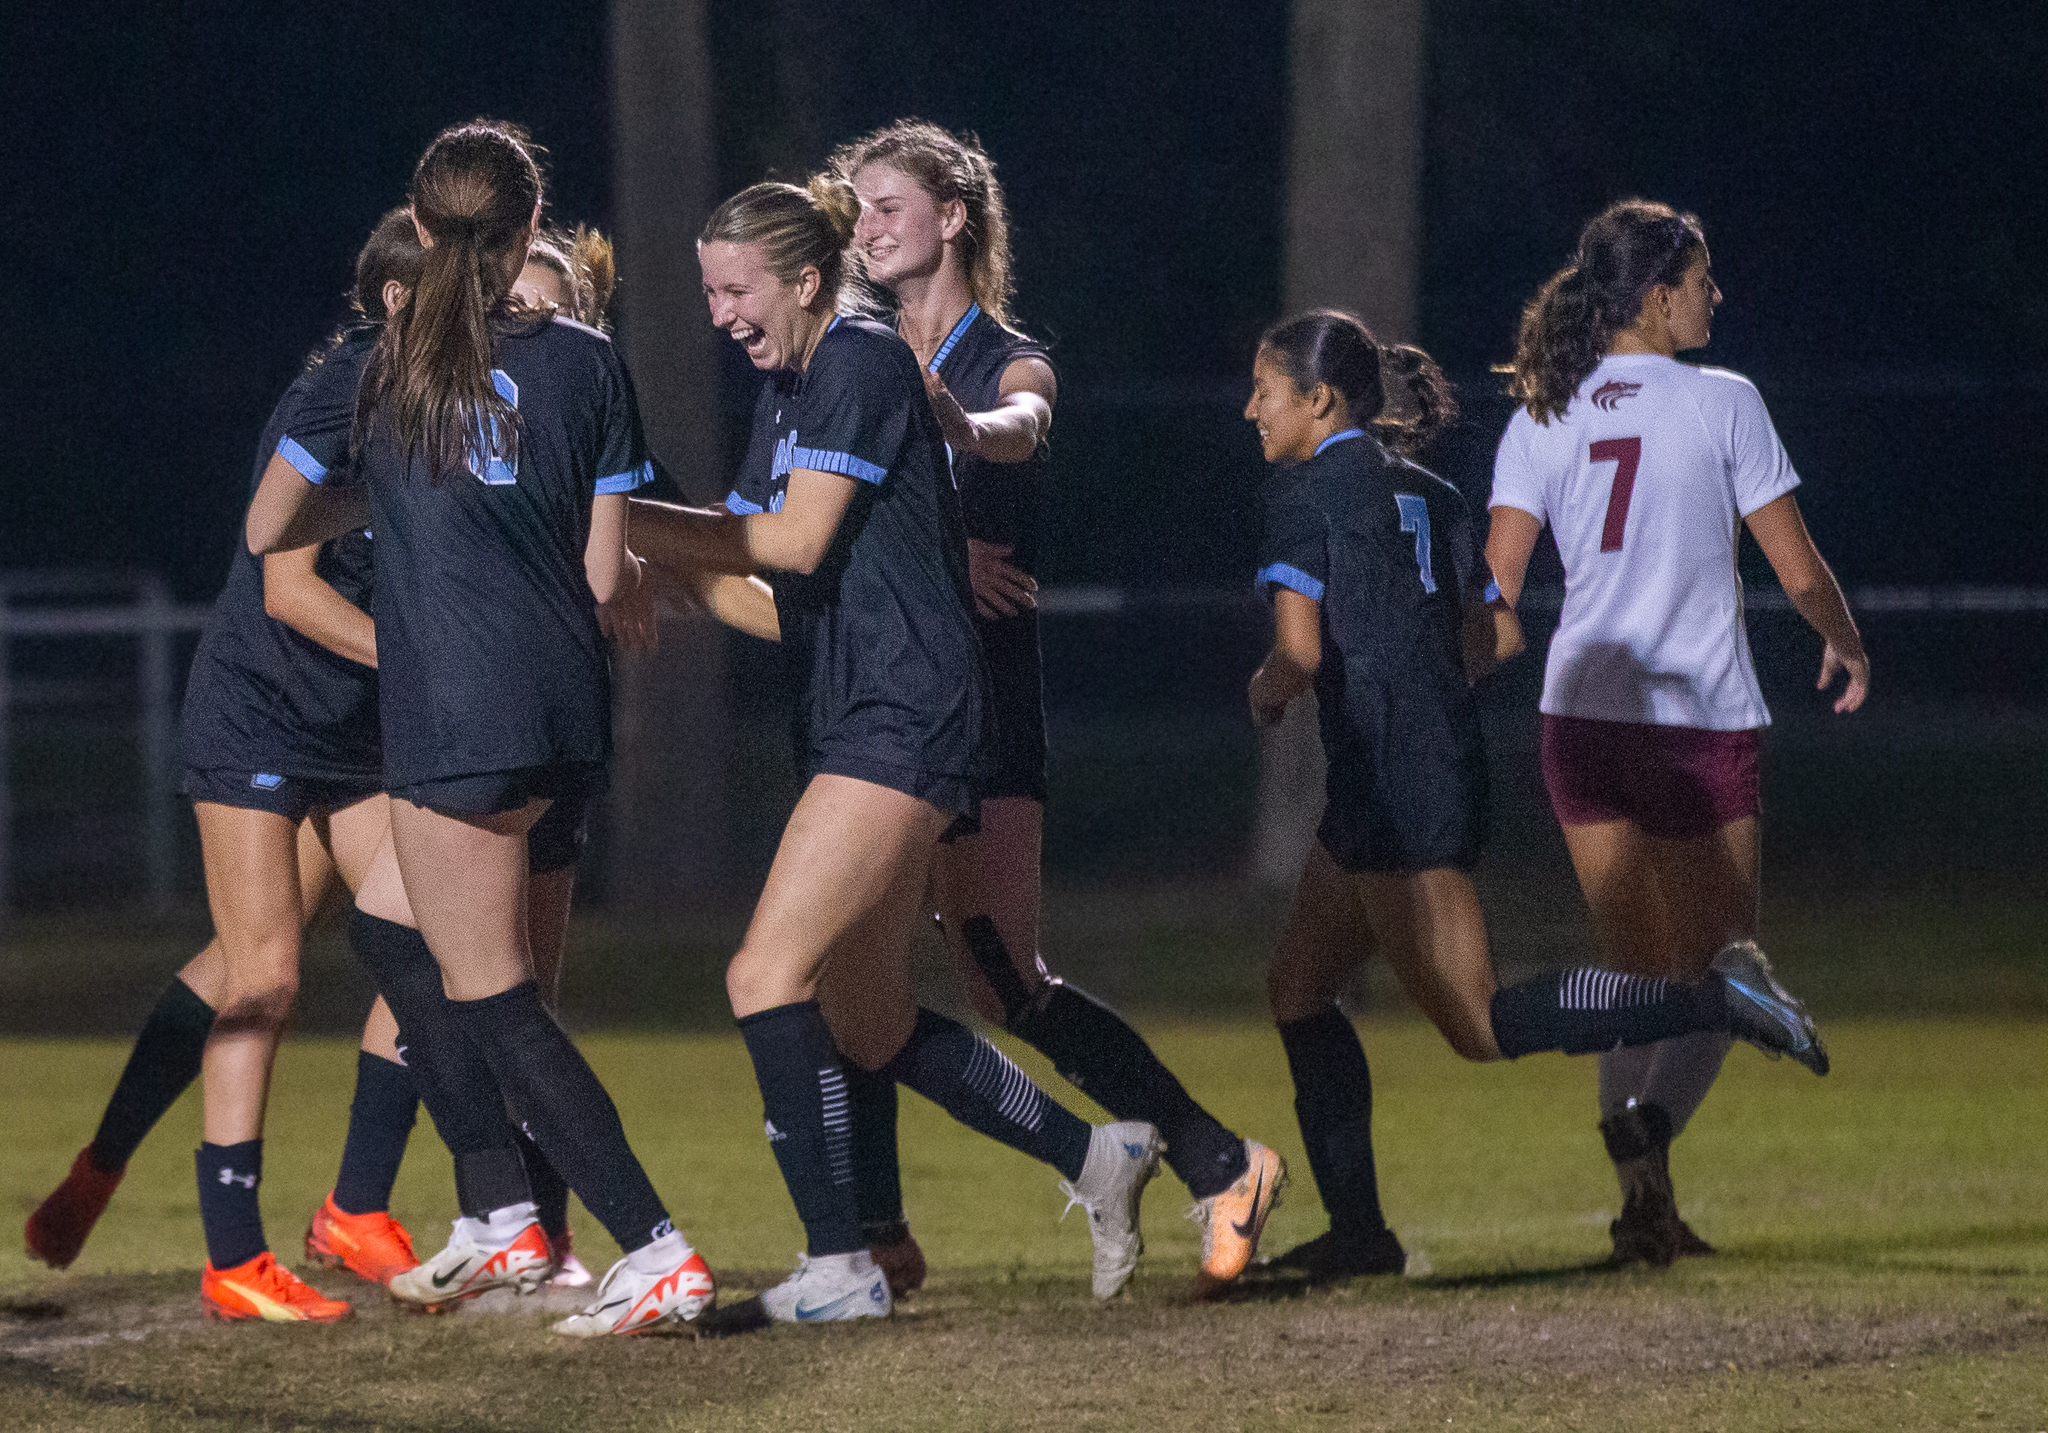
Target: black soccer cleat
(1331, 1257)
(1763, 1012)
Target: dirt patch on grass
(999, 1353)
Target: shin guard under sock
(1097, 1053)
(877, 1173)
(164, 1062)
(1333, 1101)
(380, 1121)
(976, 1084)
(574, 1121)
(1585, 1011)
(809, 1121)
(228, 1208)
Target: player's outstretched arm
(1291, 665)
(1811, 588)
(295, 594)
(1011, 431)
(289, 512)
(686, 539)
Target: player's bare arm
(1291, 665)
(296, 595)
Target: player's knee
(754, 981)
(261, 995)
(1473, 1040)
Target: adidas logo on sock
(773, 1133)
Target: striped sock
(1588, 1010)
(976, 1084)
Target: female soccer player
(1646, 470)
(934, 233)
(845, 499)
(495, 452)
(1380, 601)
(280, 726)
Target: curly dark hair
(1625, 251)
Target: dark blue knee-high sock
(558, 1097)
(877, 1174)
(380, 1121)
(453, 1079)
(809, 1121)
(228, 1207)
(550, 1192)
(1333, 1101)
(164, 1062)
(1587, 1011)
(1096, 1052)
(976, 1084)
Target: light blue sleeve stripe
(310, 468)
(736, 504)
(1492, 593)
(1292, 577)
(627, 481)
(824, 460)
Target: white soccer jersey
(1643, 482)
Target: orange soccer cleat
(265, 1289)
(1233, 1220)
(371, 1246)
(57, 1230)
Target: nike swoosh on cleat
(442, 1281)
(1244, 1227)
(825, 1311)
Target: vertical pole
(159, 829)
(6, 759)
(1353, 231)
(669, 793)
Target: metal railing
(75, 604)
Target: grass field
(1884, 1263)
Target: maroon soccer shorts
(1677, 782)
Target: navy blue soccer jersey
(487, 630)
(999, 500)
(1391, 555)
(878, 640)
(262, 698)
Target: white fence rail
(88, 606)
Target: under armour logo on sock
(400, 1049)
(228, 1176)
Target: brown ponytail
(1334, 347)
(1624, 251)
(474, 192)
(583, 260)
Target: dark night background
(187, 185)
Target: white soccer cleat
(632, 1301)
(1122, 1158)
(505, 1250)
(828, 1289)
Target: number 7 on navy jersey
(1415, 519)
(1627, 455)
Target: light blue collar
(1338, 438)
(959, 331)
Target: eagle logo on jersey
(1612, 392)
